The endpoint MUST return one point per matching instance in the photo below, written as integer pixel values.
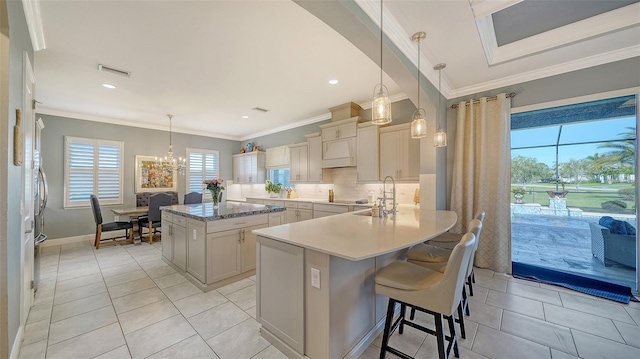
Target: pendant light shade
(381, 106)
(419, 124)
(440, 137)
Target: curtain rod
(509, 95)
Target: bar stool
(436, 258)
(428, 291)
(449, 240)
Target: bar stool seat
(449, 240)
(428, 253)
(428, 291)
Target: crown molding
(484, 8)
(319, 118)
(595, 60)
(609, 22)
(579, 99)
(34, 23)
(115, 121)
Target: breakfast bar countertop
(355, 236)
(225, 210)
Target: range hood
(339, 153)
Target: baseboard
(68, 240)
(17, 344)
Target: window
(92, 167)
(279, 175)
(202, 165)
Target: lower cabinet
(216, 250)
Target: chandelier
(170, 163)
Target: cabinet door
(238, 169)
(292, 215)
(179, 235)
(251, 168)
(304, 215)
(167, 240)
(303, 166)
(294, 164)
(367, 153)
(249, 247)
(409, 157)
(223, 255)
(348, 130)
(196, 258)
(315, 159)
(389, 144)
(277, 218)
(330, 133)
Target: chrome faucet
(384, 198)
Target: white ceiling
(210, 62)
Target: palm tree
(624, 149)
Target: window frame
(96, 143)
(201, 151)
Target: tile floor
(125, 302)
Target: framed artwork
(149, 178)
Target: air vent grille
(114, 70)
(260, 109)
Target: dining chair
(108, 227)
(154, 219)
(192, 198)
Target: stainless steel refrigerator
(40, 197)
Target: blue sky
(573, 133)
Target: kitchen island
(214, 247)
(315, 279)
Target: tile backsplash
(344, 185)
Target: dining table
(133, 213)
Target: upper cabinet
(314, 146)
(368, 149)
(249, 167)
(399, 153)
(299, 168)
(339, 143)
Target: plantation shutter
(92, 167)
(203, 164)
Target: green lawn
(588, 197)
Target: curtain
(482, 177)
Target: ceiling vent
(260, 109)
(113, 70)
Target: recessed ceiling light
(245, 116)
(109, 86)
(333, 82)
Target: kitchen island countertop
(206, 212)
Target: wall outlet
(315, 278)
(116, 218)
(194, 234)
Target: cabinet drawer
(255, 201)
(235, 223)
(166, 216)
(330, 208)
(290, 204)
(180, 221)
(305, 205)
(271, 202)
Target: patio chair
(609, 247)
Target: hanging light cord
(439, 96)
(418, 74)
(170, 145)
(381, 17)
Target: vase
(518, 197)
(273, 194)
(215, 196)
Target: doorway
(572, 168)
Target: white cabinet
(314, 147)
(399, 153)
(223, 254)
(196, 249)
(368, 153)
(255, 200)
(298, 164)
(339, 143)
(174, 241)
(249, 167)
(325, 209)
(248, 248)
(298, 211)
(276, 219)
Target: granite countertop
(355, 237)
(205, 211)
(315, 200)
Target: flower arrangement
(215, 187)
(271, 187)
(519, 190)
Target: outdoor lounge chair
(609, 247)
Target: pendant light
(381, 106)
(419, 124)
(440, 138)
